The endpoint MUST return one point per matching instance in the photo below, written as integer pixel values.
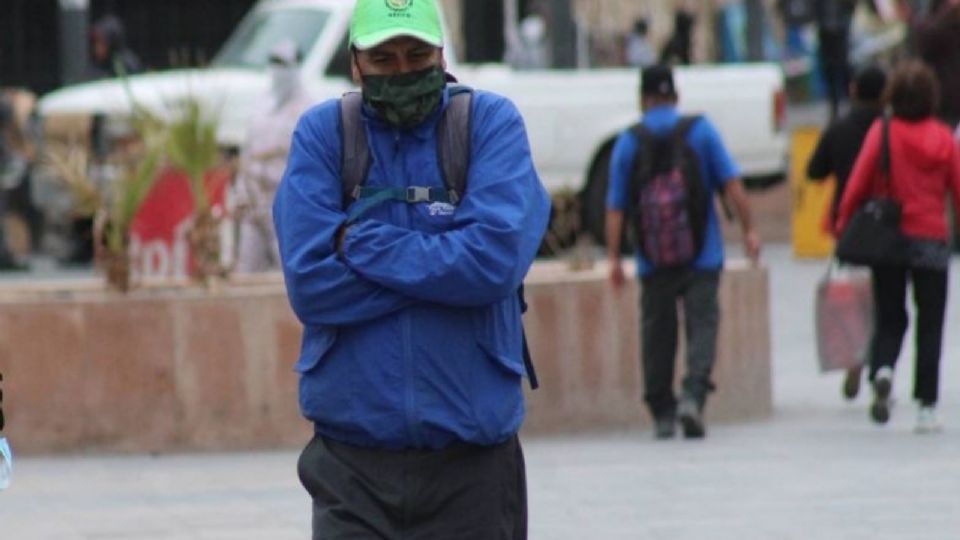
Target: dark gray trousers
(466, 491)
(660, 293)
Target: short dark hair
(869, 83)
(913, 91)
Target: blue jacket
(412, 339)
(716, 166)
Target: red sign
(158, 234)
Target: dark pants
(660, 293)
(465, 491)
(930, 297)
(834, 50)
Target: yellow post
(811, 200)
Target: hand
(617, 279)
(752, 245)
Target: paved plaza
(818, 469)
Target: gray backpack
(453, 155)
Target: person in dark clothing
(839, 145)
(110, 56)
(837, 151)
(678, 48)
(833, 19)
(937, 41)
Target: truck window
(340, 63)
(250, 44)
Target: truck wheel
(593, 197)
(593, 200)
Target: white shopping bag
(844, 317)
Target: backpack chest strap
(369, 197)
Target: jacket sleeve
(859, 185)
(496, 229)
(307, 214)
(820, 165)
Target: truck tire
(593, 200)
(594, 195)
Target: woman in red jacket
(925, 166)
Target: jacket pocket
(317, 340)
(498, 333)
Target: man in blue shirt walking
(695, 282)
(411, 363)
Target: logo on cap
(399, 5)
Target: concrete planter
(178, 368)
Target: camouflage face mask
(405, 100)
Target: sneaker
(665, 427)
(691, 418)
(851, 382)
(882, 385)
(927, 420)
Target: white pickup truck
(572, 116)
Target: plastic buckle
(416, 194)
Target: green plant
(129, 192)
(192, 147)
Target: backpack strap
(453, 155)
(527, 359)
(682, 129)
(355, 152)
(454, 135)
(643, 162)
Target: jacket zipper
(406, 327)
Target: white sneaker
(927, 420)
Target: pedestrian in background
(937, 40)
(531, 51)
(924, 168)
(679, 48)
(263, 159)
(109, 53)
(694, 283)
(836, 152)
(411, 365)
(833, 20)
(640, 53)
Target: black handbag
(873, 237)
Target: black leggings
(930, 297)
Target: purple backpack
(668, 198)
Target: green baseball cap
(377, 21)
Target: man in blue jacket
(411, 362)
(695, 282)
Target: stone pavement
(817, 470)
